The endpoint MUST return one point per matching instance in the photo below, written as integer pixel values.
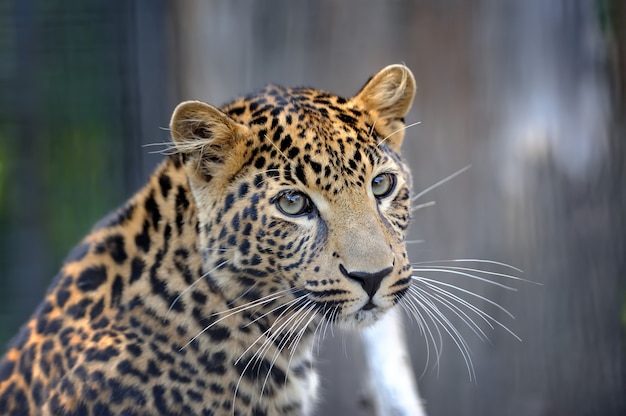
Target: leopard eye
(293, 203)
(383, 184)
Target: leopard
(270, 218)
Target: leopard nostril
(369, 281)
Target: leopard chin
(361, 318)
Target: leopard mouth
(365, 313)
(361, 317)
(369, 306)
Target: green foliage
(605, 15)
(81, 183)
(61, 135)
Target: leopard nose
(369, 281)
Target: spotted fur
(203, 294)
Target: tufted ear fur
(388, 96)
(206, 138)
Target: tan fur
(200, 295)
(390, 95)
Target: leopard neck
(144, 255)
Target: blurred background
(529, 92)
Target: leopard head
(303, 197)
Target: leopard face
(304, 197)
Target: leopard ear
(205, 137)
(388, 96)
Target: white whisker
(243, 294)
(257, 302)
(435, 313)
(474, 270)
(167, 143)
(169, 148)
(275, 146)
(264, 348)
(485, 316)
(293, 343)
(282, 344)
(302, 331)
(495, 263)
(445, 293)
(324, 322)
(441, 182)
(413, 312)
(298, 338)
(232, 312)
(469, 292)
(332, 313)
(438, 346)
(191, 286)
(269, 333)
(398, 131)
(271, 311)
(461, 314)
(371, 133)
(424, 205)
(454, 271)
